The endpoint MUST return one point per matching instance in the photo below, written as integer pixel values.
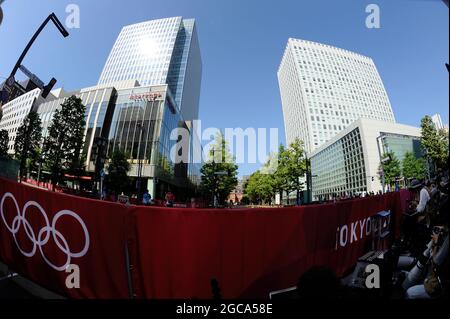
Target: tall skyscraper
(164, 51)
(324, 89)
(437, 121)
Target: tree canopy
(117, 178)
(434, 143)
(28, 141)
(391, 168)
(282, 172)
(219, 173)
(412, 167)
(63, 146)
(4, 139)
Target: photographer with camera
(429, 277)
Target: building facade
(15, 112)
(146, 97)
(438, 124)
(99, 102)
(324, 89)
(141, 121)
(164, 51)
(349, 163)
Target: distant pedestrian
(170, 199)
(146, 198)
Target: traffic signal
(99, 154)
(48, 88)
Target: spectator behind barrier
(416, 232)
(433, 266)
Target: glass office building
(401, 144)
(164, 51)
(142, 122)
(148, 90)
(144, 126)
(99, 102)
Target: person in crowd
(424, 194)
(170, 199)
(429, 277)
(416, 232)
(146, 198)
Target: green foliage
(245, 200)
(260, 188)
(291, 166)
(413, 168)
(391, 169)
(117, 179)
(434, 143)
(220, 160)
(4, 138)
(264, 184)
(62, 147)
(28, 140)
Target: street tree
(390, 168)
(260, 188)
(4, 138)
(117, 178)
(28, 142)
(291, 167)
(434, 143)
(412, 167)
(63, 146)
(219, 173)
(280, 176)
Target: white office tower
(324, 89)
(437, 121)
(156, 52)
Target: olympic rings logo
(44, 233)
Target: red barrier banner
(176, 252)
(51, 238)
(249, 251)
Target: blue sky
(242, 43)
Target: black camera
(441, 233)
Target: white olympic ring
(48, 229)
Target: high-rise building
(324, 89)
(16, 111)
(164, 51)
(437, 121)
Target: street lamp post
(382, 160)
(52, 17)
(308, 179)
(215, 201)
(41, 159)
(140, 160)
(216, 174)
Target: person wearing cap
(424, 195)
